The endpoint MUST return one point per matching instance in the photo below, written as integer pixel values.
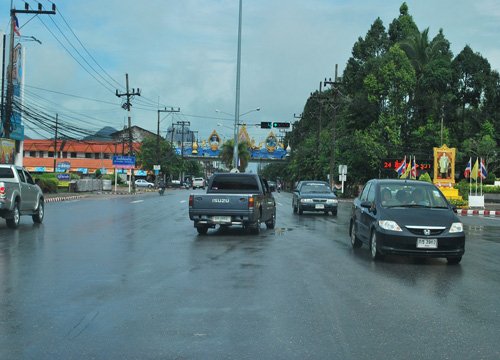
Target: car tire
(255, 228)
(272, 223)
(355, 242)
(40, 212)
(300, 210)
(376, 255)
(202, 230)
(13, 223)
(334, 212)
(454, 260)
(150, 186)
(294, 208)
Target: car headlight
(456, 227)
(389, 225)
(306, 200)
(331, 201)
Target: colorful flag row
(478, 170)
(407, 170)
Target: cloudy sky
(182, 53)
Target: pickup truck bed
(233, 199)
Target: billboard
(7, 147)
(17, 131)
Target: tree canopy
(397, 89)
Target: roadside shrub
(460, 203)
(49, 184)
(425, 177)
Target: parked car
(19, 195)
(198, 183)
(144, 183)
(406, 217)
(314, 196)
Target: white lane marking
(136, 201)
(183, 201)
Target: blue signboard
(82, 170)
(63, 177)
(62, 166)
(124, 162)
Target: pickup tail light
(2, 191)
(251, 202)
(191, 200)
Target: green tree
(403, 26)
(168, 159)
(227, 151)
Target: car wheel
(202, 230)
(255, 228)
(355, 242)
(150, 186)
(454, 260)
(294, 208)
(300, 210)
(13, 223)
(272, 223)
(334, 212)
(376, 255)
(38, 217)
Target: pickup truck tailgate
(216, 204)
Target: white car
(198, 183)
(144, 183)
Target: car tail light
(251, 202)
(2, 191)
(191, 200)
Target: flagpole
(476, 174)
(481, 170)
(470, 177)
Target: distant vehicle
(19, 195)
(314, 196)
(144, 183)
(406, 217)
(234, 199)
(198, 183)
(272, 185)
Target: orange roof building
(84, 156)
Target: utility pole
(183, 123)
(335, 85)
(127, 105)
(55, 144)
(316, 161)
(171, 110)
(10, 70)
(300, 157)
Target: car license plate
(320, 206)
(427, 243)
(221, 219)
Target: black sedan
(314, 196)
(406, 217)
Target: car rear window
(234, 183)
(6, 173)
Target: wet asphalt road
(128, 277)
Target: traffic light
(270, 125)
(281, 124)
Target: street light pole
(237, 106)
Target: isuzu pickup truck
(234, 199)
(19, 195)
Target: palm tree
(226, 153)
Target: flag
(401, 168)
(16, 25)
(467, 169)
(408, 170)
(474, 171)
(482, 172)
(414, 169)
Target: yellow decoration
(214, 141)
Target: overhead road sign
(270, 125)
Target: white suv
(198, 183)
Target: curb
(62, 198)
(478, 212)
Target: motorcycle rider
(161, 186)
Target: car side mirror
(295, 190)
(38, 181)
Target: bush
(460, 203)
(425, 177)
(49, 184)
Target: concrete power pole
(171, 110)
(335, 85)
(10, 85)
(183, 123)
(129, 94)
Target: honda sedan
(406, 217)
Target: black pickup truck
(234, 199)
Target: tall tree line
(398, 87)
